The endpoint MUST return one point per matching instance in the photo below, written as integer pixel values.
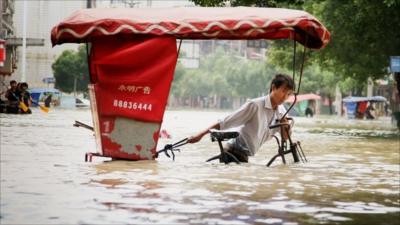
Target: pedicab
(356, 106)
(132, 54)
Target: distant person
(2, 106)
(2, 102)
(47, 101)
(253, 120)
(25, 97)
(370, 112)
(386, 108)
(361, 108)
(309, 112)
(12, 96)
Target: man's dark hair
(24, 84)
(13, 82)
(282, 79)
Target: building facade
(41, 17)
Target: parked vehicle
(357, 107)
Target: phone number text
(132, 105)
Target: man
(12, 96)
(370, 112)
(25, 98)
(47, 101)
(3, 90)
(253, 120)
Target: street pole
(23, 76)
(88, 4)
(75, 87)
(338, 100)
(91, 4)
(370, 87)
(395, 106)
(1, 21)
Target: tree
(223, 75)
(364, 34)
(71, 65)
(178, 75)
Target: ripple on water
(351, 175)
(361, 207)
(330, 217)
(222, 221)
(269, 221)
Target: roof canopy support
(297, 90)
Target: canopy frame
(303, 59)
(229, 23)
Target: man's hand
(196, 138)
(199, 136)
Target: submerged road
(352, 177)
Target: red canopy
(192, 23)
(304, 97)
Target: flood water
(352, 177)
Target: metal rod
(80, 124)
(179, 47)
(291, 106)
(88, 63)
(25, 12)
(302, 64)
(181, 141)
(302, 152)
(277, 141)
(301, 72)
(294, 55)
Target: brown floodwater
(352, 177)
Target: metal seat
(220, 136)
(217, 135)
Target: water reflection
(352, 176)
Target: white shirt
(253, 120)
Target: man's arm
(29, 100)
(237, 118)
(199, 136)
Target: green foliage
(364, 34)
(223, 75)
(70, 65)
(316, 80)
(178, 75)
(363, 37)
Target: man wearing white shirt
(253, 120)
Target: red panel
(132, 79)
(2, 53)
